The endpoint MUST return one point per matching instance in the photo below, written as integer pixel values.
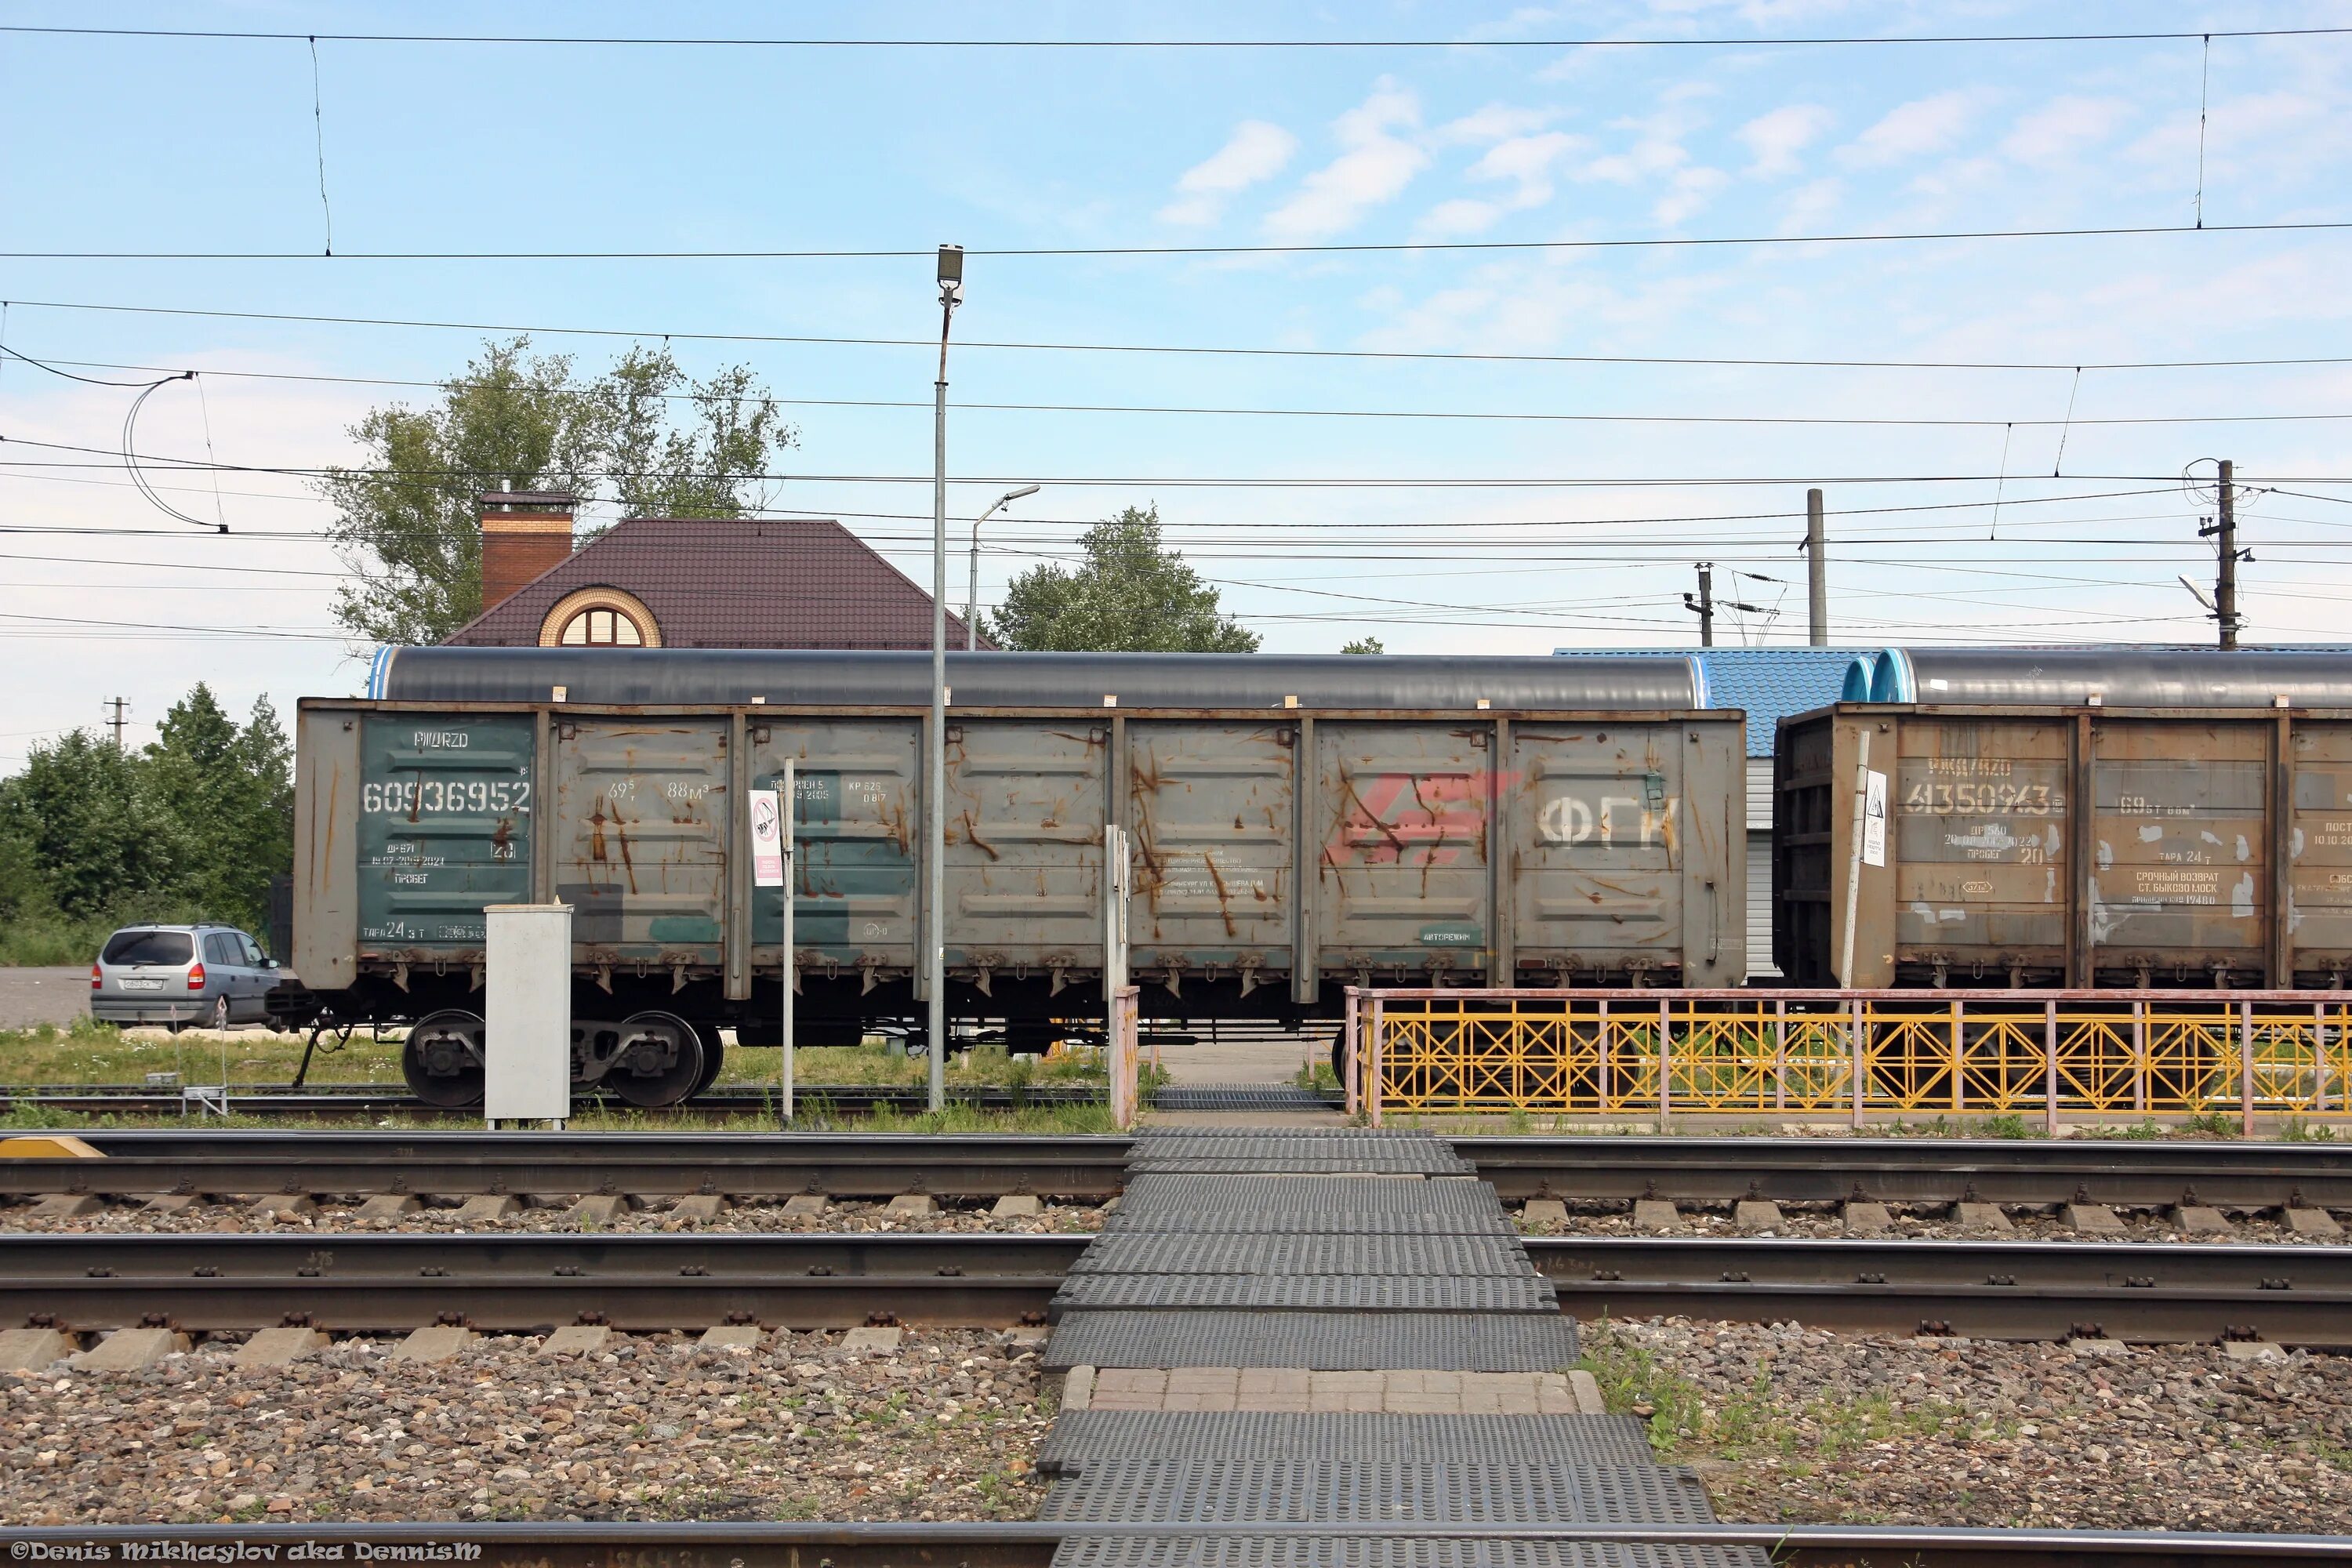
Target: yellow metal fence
(1860, 1054)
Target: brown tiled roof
(751, 584)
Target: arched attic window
(598, 618)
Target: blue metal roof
(1769, 683)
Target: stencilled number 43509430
(412, 798)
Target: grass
(1758, 1421)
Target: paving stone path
(1338, 1327)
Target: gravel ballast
(847, 1216)
(942, 1427)
(1786, 1424)
(1933, 1223)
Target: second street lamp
(971, 585)
(936, 791)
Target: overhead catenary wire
(1242, 351)
(1298, 247)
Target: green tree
(231, 791)
(406, 520)
(1365, 645)
(97, 834)
(1132, 595)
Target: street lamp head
(951, 273)
(1024, 491)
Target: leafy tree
(406, 518)
(1132, 595)
(97, 835)
(233, 792)
(1365, 645)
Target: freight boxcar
(2086, 817)
(1298, 823)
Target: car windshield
(148, 947)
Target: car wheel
(220, 1013)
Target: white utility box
(527, 1014)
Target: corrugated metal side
(2180, 871)
(1024, 843)
(2320, 846)
(1402, 846)
(642, 838)
(1599, 830)
(1981, 818)
(1759, 907)
(1211, 808)
(326, 832)
(854, 824)
(445, 812)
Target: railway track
(733, 1545)
(2243, 1176)
(376, 1282)
(331, 1101)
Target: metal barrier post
(2139, 1057)
(1781, 1054)
(1352, 1054)
(2049, 1067)
(1853, 1046)
(1372, 1064)
(1959, 1060)
(1608, 1075)
(2246, 1069)
(2318, 1057)
(1124, 1091)
(1665, 1064)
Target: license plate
(143, 985)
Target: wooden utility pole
(1704, 604)
(2225, 582)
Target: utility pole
(2226, 556)
(1703, 605)
(935, 790)
(115, 723)
(1817, 575)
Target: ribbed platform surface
(1245, 1097)
(1319, 1341)
(1081, 1437)
(1384, 1551)
(1221, 1490)
(1313, 1204)
(1307, 1294)
(1293, 1222)
(1197, 1252)
(1333, 1150)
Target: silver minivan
(181, 975)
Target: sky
(1456, 449)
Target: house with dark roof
(674, 582)
(1769, 684)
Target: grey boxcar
(1297, 822)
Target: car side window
(253, 953)
(216, 950)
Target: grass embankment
(88, 1052)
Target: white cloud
(1811, 204)
(1375, 169)
(1774, 139)
(1257, 150)
(1691, 190)
(1495, 121)
(1461, 216)
(1527, 162)
(1924, 125)
(2063, 127)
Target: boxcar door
(1024, 839)
(1210, 806)
(1403, 880)
(855, 824)
(642, 838)
(1597, 848)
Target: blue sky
(178, 144)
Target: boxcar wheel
(714, 1055)
(442, 1059)
(660, 1062)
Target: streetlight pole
(971, 585)
(935, 850)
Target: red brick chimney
(524, 532)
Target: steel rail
(230, 1161)
(1916, 1171)
(2165, 1293)
(1031, 1544)
(326, 1100)
(372, 1283)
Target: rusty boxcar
(2084, 818)
(1297, 822)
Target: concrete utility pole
(1703, 605)
(2225, 578)
(936, 791)
(1817, 575)
(115, 723)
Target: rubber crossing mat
(1202, 1252)
(1384, 1551)
(1245, 1097)
(1316, 1342)
(1305, 1293)
(1336, 1151)
(1310, 1202)
(1221, 1490)
(1290, 1222)
(1085, 1436)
